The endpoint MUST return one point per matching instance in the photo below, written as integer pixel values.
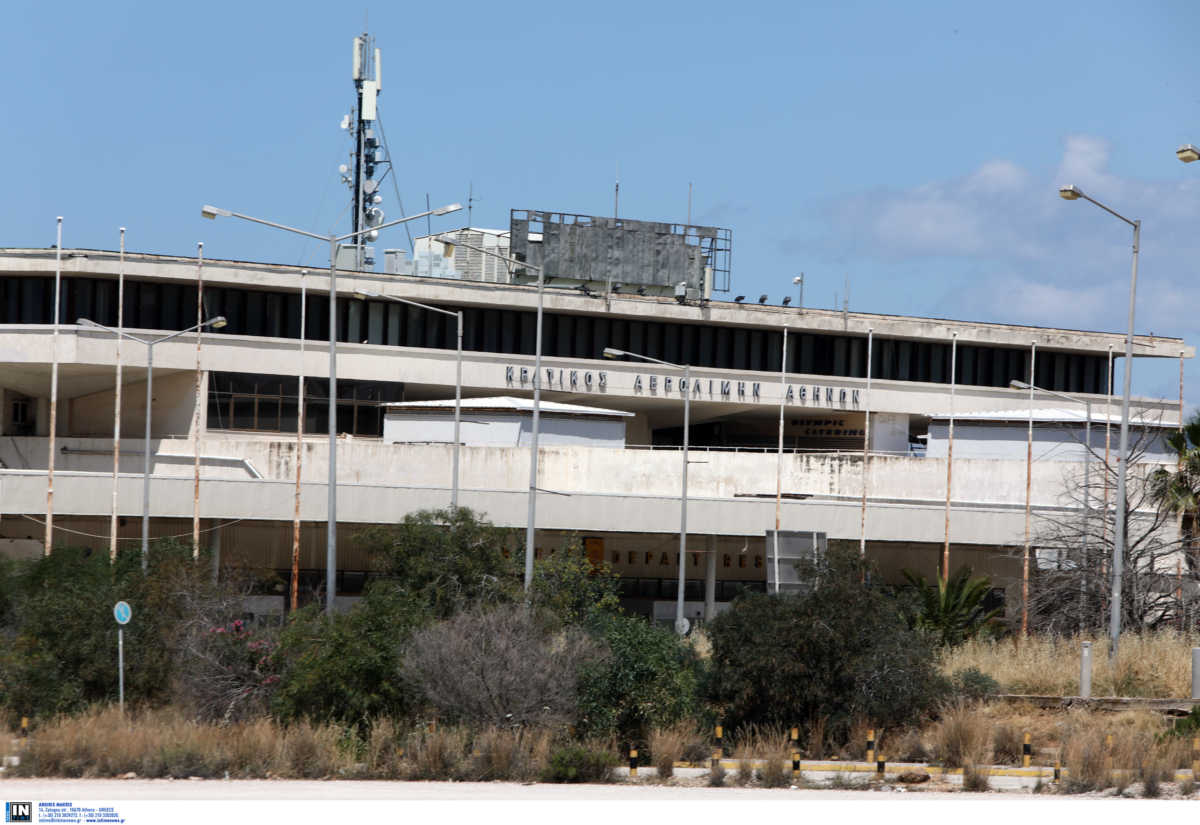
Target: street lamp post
(150, 343)
(1087, 466)
(1114, 620)
(212, 213)
(681, 626)
(458, 316)
(531, 517)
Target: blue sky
(915, 148)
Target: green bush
(973, 683)
(345, 666)
(841, 651)
(567, 586)
(446, 560)
(649, 679)
(580, 763)
(58, 639)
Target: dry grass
(1007, 744)
(668, 746)
(163, 743)
(436, 752)
(1148, 664)
(961, 737)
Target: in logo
(18, 812)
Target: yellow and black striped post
(880, 766)
(24, 726)
(716, 758)
(720, 747)
(1196, 759)
(633, 762)
(871, 745)
(1057, 771)
(1108, 750)
(795, 764)
(1026, 752)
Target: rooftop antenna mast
(470, 202)
(617, 193)
(367, 76)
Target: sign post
(122, 612)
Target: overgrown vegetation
(443, 670)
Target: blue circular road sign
(122, 612)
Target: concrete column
(1085, 671)
(1196, 672)
(710, 580)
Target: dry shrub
(310, 751)
(384, 749)
(1148, 664)
(1187, 787)
(1153, 771)
(716, 776)
(856, 745)
(975, 778)
(909, 746)
(1007, 745)
(743, 753)
(509, 754)
(1087, 761)
(500, 667)
(436, 752)
(667, 746)
(816, 738)
(961, 737)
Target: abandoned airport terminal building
(863, 402)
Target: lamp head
(610, 352)
(1017, 385)
(218, 323)
(211, 212)
(1070, 192)
(1187, 153)
(799, 279)
(86, 322)
(366, 293)
(446, 210)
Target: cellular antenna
(367, 154)
(689, 220)
(617, 193)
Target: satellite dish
(682, 626)
(379, 199)
(345, 124)
(343, 168)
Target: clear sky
(915, 148)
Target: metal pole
(196, 414)
(1028, 502)
(112, 530)
(121, 668)
(531, 518)
(950, 453)
(1107, 473)
(779, 454)
(295, 586)
(331, 534)
(862, 527)
(1114, 619)
(53, 390)
(680, 626)
(146, 458)
(1087, 515)
(457, 411)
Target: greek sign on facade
(706, 389)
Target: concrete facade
(615, 479)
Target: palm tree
(1179, 492)
(952, 610)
